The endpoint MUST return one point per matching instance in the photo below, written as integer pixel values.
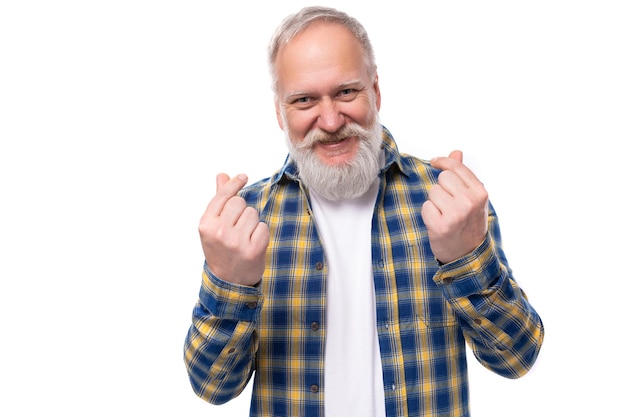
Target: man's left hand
(456, 212)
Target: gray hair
(296, 23)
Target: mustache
(321, 136)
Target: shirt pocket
(423, 298)
(429, 311)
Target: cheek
(362, 112)
(298, 124)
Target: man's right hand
(233, 239)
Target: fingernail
(242, 177)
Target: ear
(278, 110)
(377, 91)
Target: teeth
(330, 142)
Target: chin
(336, 161)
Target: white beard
(349, 180)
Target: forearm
(221, 343)
(503, 329)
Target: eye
(347, 93)
(302, 102)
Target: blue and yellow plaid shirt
(425, 312)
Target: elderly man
(350, 281)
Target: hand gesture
(233, 239)
(456, 212)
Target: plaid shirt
(425, 312)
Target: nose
(330, 117)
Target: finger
(220, 180)
(232, 211)
(451, 182)
(430, 214)
(440, 198)
(236, 183)
(250, 226)
(226, 189)
(457, 155)
(261, 236)
(454, 163)
(247, 221)
(455, 159)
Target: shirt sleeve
(221, 344)
(502, 328)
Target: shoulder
(408, 167)
(414, 170)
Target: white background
(115, 117)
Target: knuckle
(236, 202)
(251, 212)
(479, 197)
(435, 190)
(443, 175)
(206, 229)
(215, 233)
(483, 195)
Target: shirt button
(319, 266)
(315, 389)
(393, 387)
(478, 321)
(315, 326)
(448, 280)
(251, 304)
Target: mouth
(336, 150)
(333, 141)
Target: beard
(346, 181)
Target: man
(349, 282)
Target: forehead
(322, 53)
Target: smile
(331, 141)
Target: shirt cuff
(472, 273)
(230, 301)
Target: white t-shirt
(353, 371)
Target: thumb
(220, 180)
(457, 155)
